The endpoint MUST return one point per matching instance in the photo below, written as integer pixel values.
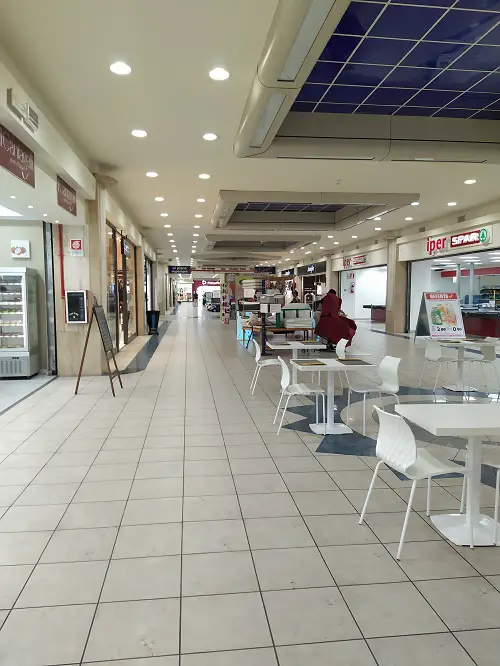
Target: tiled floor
(170, 525)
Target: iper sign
(437, 244)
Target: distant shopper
(333, 324)
(295, 298)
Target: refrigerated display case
(19, 345)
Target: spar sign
(438, 244)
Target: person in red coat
(333, 324)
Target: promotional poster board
(440, 316)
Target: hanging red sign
(16, 157)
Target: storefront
(465, 262)
(289, 285)
(363, 283)
(312, 282)
(121, 287)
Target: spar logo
(457, 241)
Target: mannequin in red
(333, 324)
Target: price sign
(441, 315)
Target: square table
(331, 366)
(474, 422)
(461, 345)
(294, 346)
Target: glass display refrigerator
(19, 344)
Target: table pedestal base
(334, 429)
(459, 388)
(455, 529)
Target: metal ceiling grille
(290, 207)
(436, 58)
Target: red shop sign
(16, 157)
(66, 196)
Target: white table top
(454, 418)
(466, 343)
(294, 344)
(330, 365)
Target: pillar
(140, 296)
(395, 321)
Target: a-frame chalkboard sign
(107, 344)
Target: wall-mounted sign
(312, 269)
(437, 244)
(20, 249)
(358, 260)
(66, 196)
(179, 270)
(16, 157)
(126, 248)
(271, 270)
(76, 307)
(288, 273)
(76, 247)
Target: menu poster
(440, 316)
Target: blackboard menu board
(102, 322)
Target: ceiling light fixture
(30, 206)
(198, 215)
(470, 182)
(175, 251)
(159, 198)
(353, 236)
(204, 176)
(320, 247)
(378, 228)
(196, 235)
(314, 243)
(209, 136)
(336, 243)
(167, 226)
(330, 236)
(451, 203)
(164, 215)
(377, 219)
(292, 251)
(151, 174)
(200, 200)
(196, 226)
(193, 251)
(120, 68)
(12, 196)
(415, 203)
(408, 219)
(139, 134)
(218, 74)
(44, 215)
(308, 252)
(170, 234)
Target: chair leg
(317, 408)
(372, 483)
(407, 516)
(284, 412)
(497, 497)
(253, 378)
(422, 375)
(428, 507)
(437, 376)
(364, 414)
(278, 408)
(340, 380)
(256, 379)
(462, 497)
(348, 406)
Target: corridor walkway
(170, 525)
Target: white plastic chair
(487, 356)
(434, 354)
(397, 448)
(289, 390)
(259, 364)
(389, 384)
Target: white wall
(370, 287)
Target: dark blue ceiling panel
(404, 57)
(280, 207)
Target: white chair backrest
(388, 373)
(396, 444)
(340, 348)
(257, 350)
(488, 338)
(433, 350)
(489, 352)
(285, 373)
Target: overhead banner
(66, 196)
(440, 316)
(179, 270)
(358, 260)
(16, 157)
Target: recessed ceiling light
(56, 221)
(151, 174)
(209, 136)
(218, 74)
(292, 251)
(353, 236)
(120, 68)
(314, 243)
(44, 215)
(12, 196)
(196, 226)
(164, 215)
(377, 219)
(196, 234)
(175, 251)
(308, 252)
(139, 134)
(303, 248)
(159, 198)
(336, 243)
(30, 206)
(330, 236)
(415, 203)
(408, 219)
(193, 251)
(198, 215)
(320, 247)
(194, 247)
(170, 234)
(469, 182)
(378, 229)
(451, 203)
(200, 200)
(204, 176)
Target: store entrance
(363, 292)
(121, 289)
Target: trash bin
(153, 319)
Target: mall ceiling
(65, 51)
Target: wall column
(395, 321)
(139, 285)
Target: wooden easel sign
(107, 344)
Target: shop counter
(377, 312)
(482, 323)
